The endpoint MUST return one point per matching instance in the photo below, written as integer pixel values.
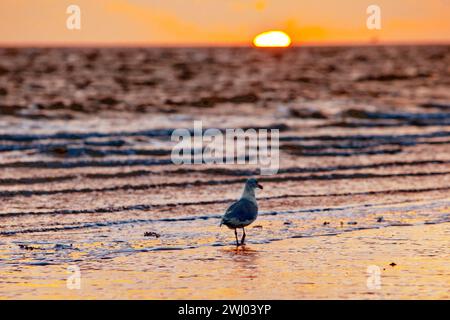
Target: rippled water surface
(86, 176)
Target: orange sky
(220, 22)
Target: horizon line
(88, 44)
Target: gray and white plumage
(244, 211)
(240, 214)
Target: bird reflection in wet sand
(245, 261)
(244, 211)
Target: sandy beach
(87, 181)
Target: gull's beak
(259, 186)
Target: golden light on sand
(272, 39)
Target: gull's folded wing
(241, 211)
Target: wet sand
(329, 267)
(86, 177)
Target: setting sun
(272, 39)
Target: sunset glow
(272, 39)
(220, 23)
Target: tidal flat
(87, 181)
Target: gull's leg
(243, 236)
(237, 241)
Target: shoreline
(333, 267)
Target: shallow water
(89, 241)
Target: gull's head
(253, 184)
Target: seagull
(244, 211)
